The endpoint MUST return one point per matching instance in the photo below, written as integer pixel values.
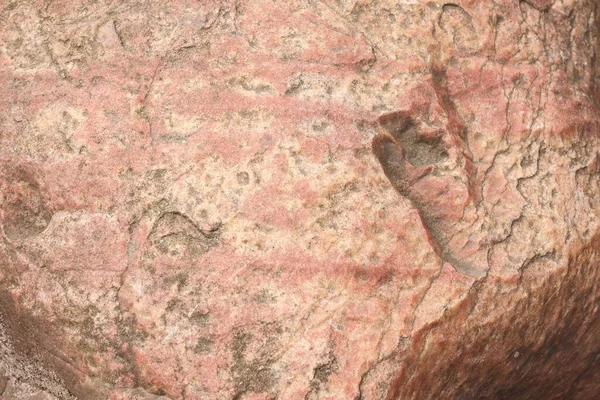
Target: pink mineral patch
(299, 200)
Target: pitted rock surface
(362, 199)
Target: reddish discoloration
(190, 199)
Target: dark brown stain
(543, 346)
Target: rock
(363, 199)
(3, 382)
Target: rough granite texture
(334, 199)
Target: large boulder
(358, 199)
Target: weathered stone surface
(299, 200)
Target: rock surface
(352, 199)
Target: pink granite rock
(363, 199)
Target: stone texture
(362, 199)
